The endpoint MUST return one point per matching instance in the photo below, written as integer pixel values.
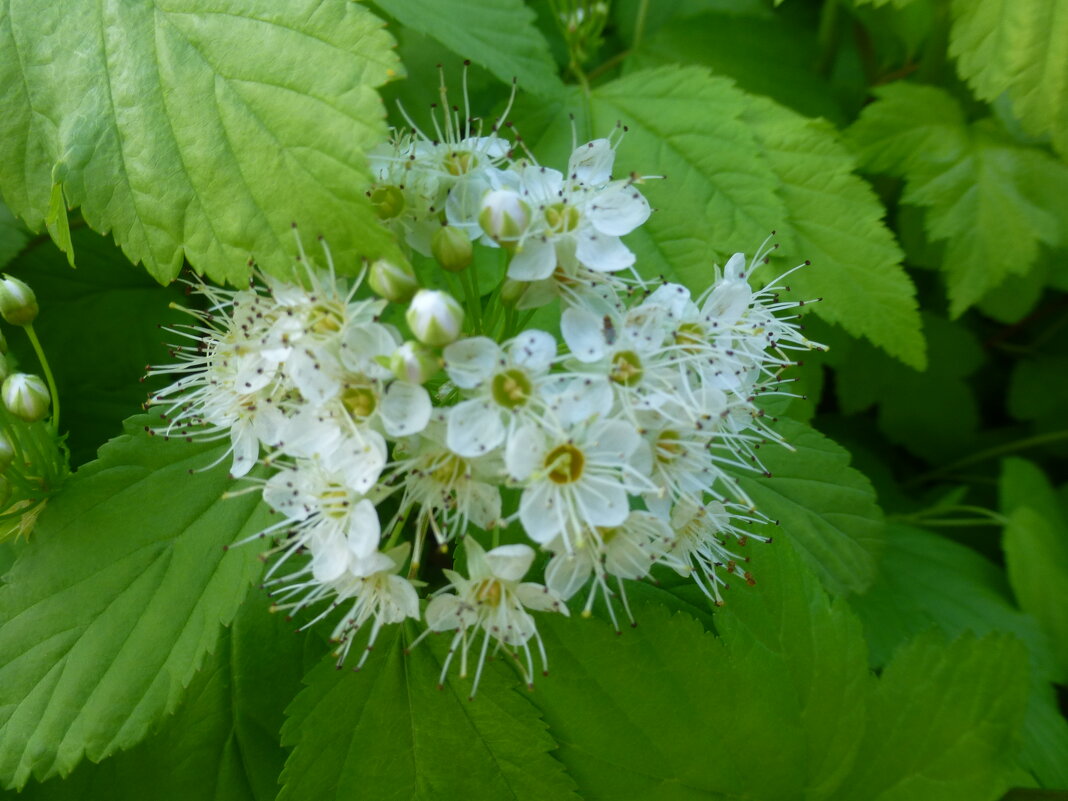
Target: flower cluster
(611, 446)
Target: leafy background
(907, 637)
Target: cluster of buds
(33, 460)
(612, 446)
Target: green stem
(828, 37)
(48, 375)
(933, 61)
(989, 453)
(474, 297)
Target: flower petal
(470, 362)
(510, 562)
(474, 427)
(534, 259)
(404, 409)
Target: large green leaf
(668, 712)
(498, 34)
(826, 508)
(991, 200)
(389, 733)
(13, 236)
(1019, 48)
(224, 735)
(943, 722)
(100, 326)
(1036, 550)
(196, 128)
(738, 167)
(112, 607)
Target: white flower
(435, 317)
(494, 600)
(577, 478)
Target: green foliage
(1018, 48)
(391, 734)
(13, 235)
(107, 613)
(991, 200)
(498, 34)
(195, 129)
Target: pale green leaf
(667, 712)
(1036, 550)
(196, 129)
(1020, 48)
(737, 168)
(500, 35)
(942, 722)
(388, 732)
(825, 508)
(57, 224)
(112, 607)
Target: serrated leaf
(389, 733)
(111, 608)
(13, 235)
(99, 326)
(196, 129)
(1036, 551)
(989, 199)
(57, 224)
(943, 722)
(222, 742)
(498, 34)
(1019, 48)
(738, 167)
(826, 508)
(668, 712)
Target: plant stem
(48, 375)
(828, 37)
(989, 453)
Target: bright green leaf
(989, 199)
(1036, 550)
(498, 34)
(738, 167)
(112, 607)
(943, 722)
(668, 712)
(1019, 48)
(195, 129)
(57, 224)
(825, 508)
(389, 733)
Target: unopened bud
(414, 362)
(504, 216)
(18, 304)
(387, 201)
(26, 397)
(392, 281)
(451, 248)
(512, 291)
(7, 452)
(435, 317)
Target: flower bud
(512, 291)
(394, 282)
(387, 201)
(504, 216)
(435, 317)
(414, 362)
(451, 248)
(7, 452)
(18, 304)
(26, 397)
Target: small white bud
(26, 397)
(394, 282)
(435, 317)
(414, 362)
(18, 304)
(504, 216)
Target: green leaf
(13, 235)
(668, 712)
(826, 508)
(100, 326)
(114, 604)
(389, 733)
(498, 34)
(737, 167)
(1019, 48)
(57, 224)
(197, 130)
(989, 199)
(1036, 550)
(1038, 392)
(942, 723)
(224, 735)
